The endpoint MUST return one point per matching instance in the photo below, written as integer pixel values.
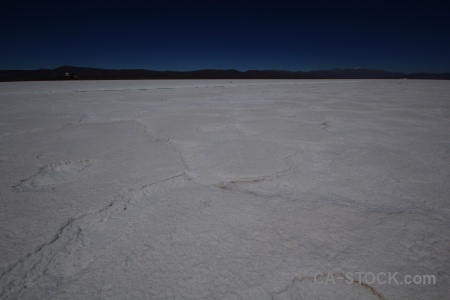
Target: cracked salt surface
(242, 190)
(57, 173)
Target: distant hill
(110, 74)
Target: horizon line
(226, 69)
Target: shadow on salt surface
(319, 288)
(4, 158)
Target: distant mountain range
(69, 72)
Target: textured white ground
(223, 189)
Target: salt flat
(224, 189)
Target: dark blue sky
(166, 35)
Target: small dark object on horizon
(70, 76)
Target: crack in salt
(14, 284)
(181, 159)
(155, 183)
(249, 180)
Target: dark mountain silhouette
(69, 72)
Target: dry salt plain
(224, 189)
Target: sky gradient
(191, 35)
